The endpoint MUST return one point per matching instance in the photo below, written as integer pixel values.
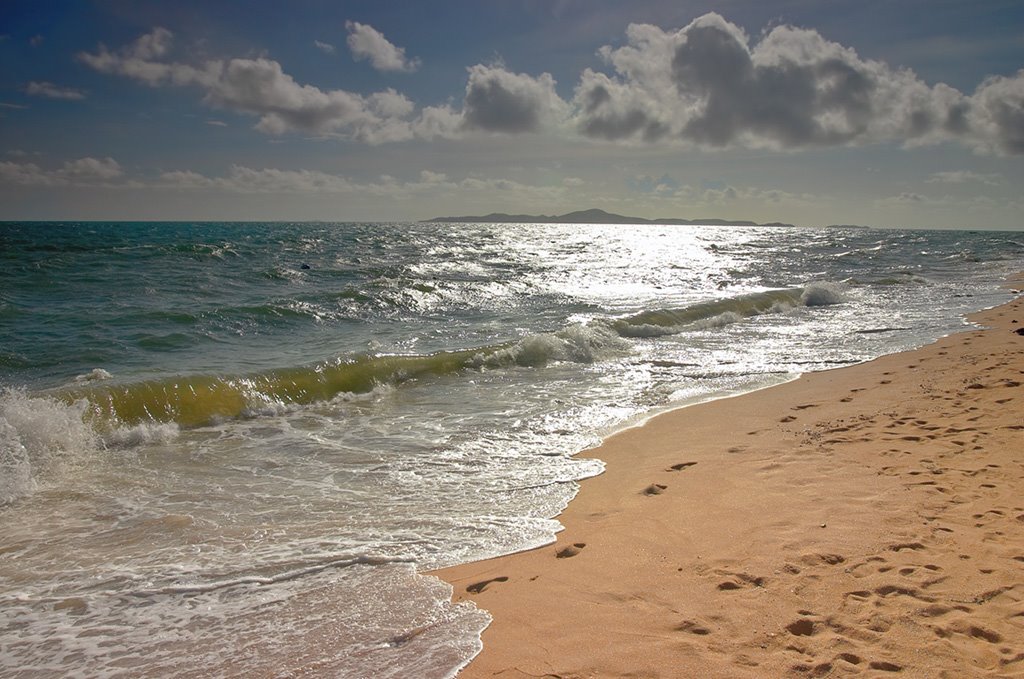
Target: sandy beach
(865, 520)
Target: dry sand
(861, 521)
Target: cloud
(25, 174)
(964, 177)
(437, 122)
(709, 84)
(430, 177)
(656, 185)
(246, 180)
(81, 172)
(36, 40)
(92, 169)
(19, 107)
(261, 87)
(498, 100)
(706, 84)
(138, 60)
(324, 47)
(243, 179)
(715, 194)
(366, 42)
(51, 91)
(905, 198)
(995, 115)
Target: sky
(889, 113)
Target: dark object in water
(305, 266)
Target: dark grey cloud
(996, 115)
(498, 100)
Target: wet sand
(862, 521)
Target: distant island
(595, 216)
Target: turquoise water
(241, 441)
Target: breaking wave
(197, 400)
(721, 312)
(43, 437)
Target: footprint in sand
(680, 466)
(899, 547)
(884, 666)
(570, 551)
(478, 587)
(655, 489)
(812, 558)
(693, 627)
(741, 580)
(802, 628)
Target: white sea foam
(41, 439)
(576, 343)
(140, 434)
(93, 375)
(38, 436)
(15, 466)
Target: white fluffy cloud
(261, 87)
(709, 84)
(42, 88)
(138, 60)
(366, 42)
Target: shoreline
(865, 518)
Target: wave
(721, 312)
(35, 435)
(42, 437)
(198, 400)
(44, 433)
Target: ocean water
(233, 449)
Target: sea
(239, 449)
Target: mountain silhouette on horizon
(595, 216)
